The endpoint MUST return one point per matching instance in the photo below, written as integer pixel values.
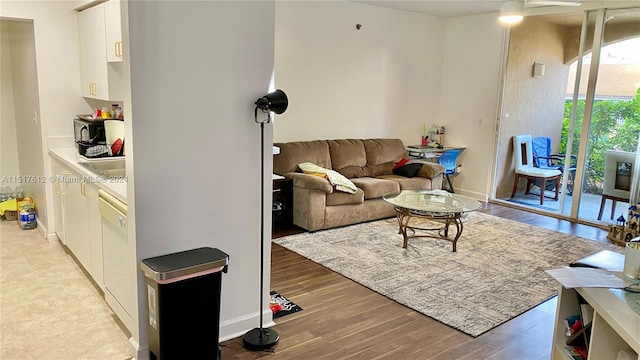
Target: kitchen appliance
(119, 273)
(88, 134)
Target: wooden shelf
(615, 325)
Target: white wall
(196, 148)
(399, 71)
(383, 80)
(9, 164)
(56, 40)
(26, 119)
(468, 110)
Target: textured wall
(531, 105)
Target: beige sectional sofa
(368, 163)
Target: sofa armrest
(430, 170)
(310, 182)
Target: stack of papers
(573, 277)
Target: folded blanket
(337, 180)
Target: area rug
(496, 274)
(281, 306)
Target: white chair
(523, 163)
(618, 177)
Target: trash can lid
(184, 263)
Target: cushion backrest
(294, 153)
(382, 154)
(348, 157)
(522, 152)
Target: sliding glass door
(583, 104)
(606, 120)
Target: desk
(429, 152)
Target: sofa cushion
(383, 154)
(340, 198)
(374, 188)
(294, 153)
(346, 153)
(381, 151)
(348, 157)
(415, 183)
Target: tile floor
(49, 309)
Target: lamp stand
(260, 338)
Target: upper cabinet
(113, 30)
(101, 41)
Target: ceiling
(565, 15)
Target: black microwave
(88, 134)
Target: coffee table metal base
(441, 232)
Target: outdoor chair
(524, 168)
(544, 159)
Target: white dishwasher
(117, 263)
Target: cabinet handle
(118, 49)
(90, 89)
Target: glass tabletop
(432, 201)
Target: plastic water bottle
(18, 192)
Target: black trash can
(183, 298)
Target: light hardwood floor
(344, 320)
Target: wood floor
(344, 320)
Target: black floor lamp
(260, 338)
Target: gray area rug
(496, 274)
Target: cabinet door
(58, 189)
(93, 64)
(113, 30)
(95, 234)
(76, 218)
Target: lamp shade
(274, 101)
(511, 12)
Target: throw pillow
(400, 163)
(409, 170)
(337, 180)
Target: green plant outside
(615, 123)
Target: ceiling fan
(512, 12)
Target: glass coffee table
(436, 205)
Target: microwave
(88, 134)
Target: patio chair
(524, 168)
(544, 159)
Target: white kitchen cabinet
(100, 79)
(79, 222)
(113, 26)
(95, 234)
(615, 325)
(58, 185)
(76, 216)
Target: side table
(282, 205)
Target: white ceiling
(566, 15)
(440, 8)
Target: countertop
(70, 158)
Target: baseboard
(237, 327)
(41, 229)
(137, 352)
